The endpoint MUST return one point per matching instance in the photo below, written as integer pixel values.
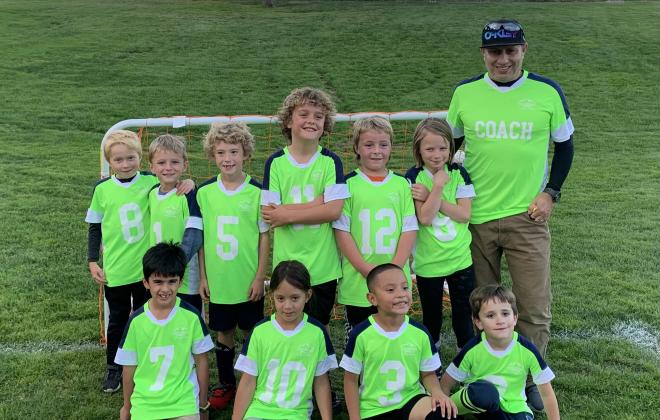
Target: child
(389, 353)
(442, 252)
(161, 340)
(494, 366)
(378, 222)
(175, 217)
(236, 247)
(304, 192)
(287, 355)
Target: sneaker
(221, 396)
(534, 400)
(112, 380)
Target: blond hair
(230, 133)
(370, 123)
(434, 126)
(125, 137)
(306, 96)
(168, 143)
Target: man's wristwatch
(205, 408)
(554, 194)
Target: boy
(175, 217)
(378, 222)
(159, 342)
(495, 365)
(236, 248)
(388, 353)
(304, 192)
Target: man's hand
(97, 273)
(541, 208)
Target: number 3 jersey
(389, 363)
(171, 215)
(443, 247)
(165, 379)
(506, 369)
(285, 363)
(122, 209)
(375, 215)
(232, 225)
(289, 182)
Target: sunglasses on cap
(507, 26)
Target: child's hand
(125, 413)
(420, 192)
(440, 178)
(204, 289)
(442, 402)
(256, 290)
(275, 215)
(185, 186)
(97, 273)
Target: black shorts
(357, 314)
(400, 413)
(194, 300)
(322, 301)
(225, 317)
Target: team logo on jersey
(170, 212)
(316, 175)
(305, 349)
(180, 332)
(245, 206)
(516, 368)
(526, 104)
(408, 349)
(393, 198)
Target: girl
(287, 355)
(378, 223)
(443, 195)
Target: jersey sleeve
(430, 360)
(539, 370)
(353, 358)
(344, 221)
(453, 116)
(202, 341)
(465, 188)
(327, 359)
(263, 226)
(409, 217)
(247, 360)
(460, 367)
(195, 215)
(127, 351)
(95, 210)
(561, 125)
(271, 186)
(335, 187)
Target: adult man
(507, 117)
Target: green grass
(71, 69)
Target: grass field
(71, 69)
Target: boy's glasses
(507, 26)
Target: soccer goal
(268, 138)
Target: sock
(225, 359)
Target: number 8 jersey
(285, 363)
(389, 363)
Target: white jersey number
(297, 195)
(132, 227)
(296, 369)
(444, 228)
(157, 227)
(396, 385)
(226, 240)
(155, 354)
(383, 245)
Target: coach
(507, 117)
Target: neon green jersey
(443, 247)
(171, 215)
(285, 363)
(289, 182)
(165, 379)
(389, 363)
(376, 214)
(506, 369)
(232, 225)
(122, 209)
(507, 131)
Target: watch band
(205, 408)
(554, 194)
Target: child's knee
(484, 395)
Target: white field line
(47, 347)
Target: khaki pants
(526, 247)
(190, 417)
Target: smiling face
(504, 64)
(162, 289)
(289, 304)
(390, 293)
(124, 161)
(168, 166)
(374, 149)
(497, 319)
(434, 150)
(307, 123)
(230, 159)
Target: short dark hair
(493, 292)
(378, 270)
(165, 258)
(293, 272)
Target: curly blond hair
(304, 96)
(230, 133)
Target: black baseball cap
(502, 32)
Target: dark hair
(293, 272)
(493, 292)
(165, 258)
(378, 270)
